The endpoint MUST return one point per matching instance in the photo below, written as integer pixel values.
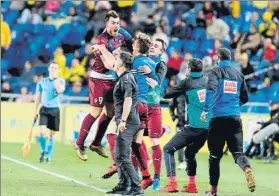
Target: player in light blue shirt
(48, 94)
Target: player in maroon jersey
(101, 84)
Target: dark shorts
(143, 114)
(192, 138)
(50, 117)
(154, 121)
(100, 92)
(222, 130)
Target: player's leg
(190, 154)
(235, 144)
(181, 154)
(53, 126)
(111, 134)
(216, 142)
(178, 141)
(155, 131)
(43, 122)
(97, 103)
(105, 118)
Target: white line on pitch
(52, 173)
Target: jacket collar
(225, 63)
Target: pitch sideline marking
(52, 173)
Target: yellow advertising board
(16, 121)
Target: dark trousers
(126, 171)
(191, 138)
(221, 130)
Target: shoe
(208, 193)
(81, 152)
(170, 188)
(112, 170)
(190, 188)
(135, 191)
(42, 157)
(250, 180)
(118, 190)
(48, 160)
(99, 149)
(182, 166)
(156, 184)
(146, 183)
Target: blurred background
(34, 33)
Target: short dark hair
(127, 59)
(144, 42)
(224, 54)
(164, 44)
(112, 14)
(195, 65)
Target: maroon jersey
(111, 43)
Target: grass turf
(20, 180)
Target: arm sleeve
(172, 107)
(101, 40)
(127, 88)
(177, 90)
(210, 91)
(39, 87)
(161, 71)
(152, 74)
(243, 93)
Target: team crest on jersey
(230, 87)
(201, 95)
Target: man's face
(113, 25)
(53, 70)
(156, 48)
(77, 87)
(208, 22)
(118, 62)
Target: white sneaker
(182, 166)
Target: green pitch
(18, 180)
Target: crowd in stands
(34, 33)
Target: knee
(169, 149)
(154, 141)
(189, 156)
(215, 158)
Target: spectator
(6, 37)
(52, 6)
(125, 9)
(149, 26)
(33, 85)
(207, 65)
(161, 35)
(6, 88)
(27, 74)
(274, 74)
(235, 9)
(76, 91)
(251, 41)
(217, 44)
(221, 8)
(216, 28)
(269, 50)
(246, 67)
(236, 63)
(178, 30)
(60, 59)
(160, 11)
(24, 97)
(75, 72)
(174, 63)
(85, 59)
(207, 9)
(30, 16)
(268, 27)
(166, 27)
(255, 19)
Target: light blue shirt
(50, 98)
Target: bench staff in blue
(48, 94)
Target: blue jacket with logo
(226, 91)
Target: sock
(111, 142)
(42, 141)
(213, 189)
(172, 179)
(50, 147)
(85, 128)
(101, 129)
(140, 155)
(144, 148)
(134, 161)
(192, 179)
(157, 159)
